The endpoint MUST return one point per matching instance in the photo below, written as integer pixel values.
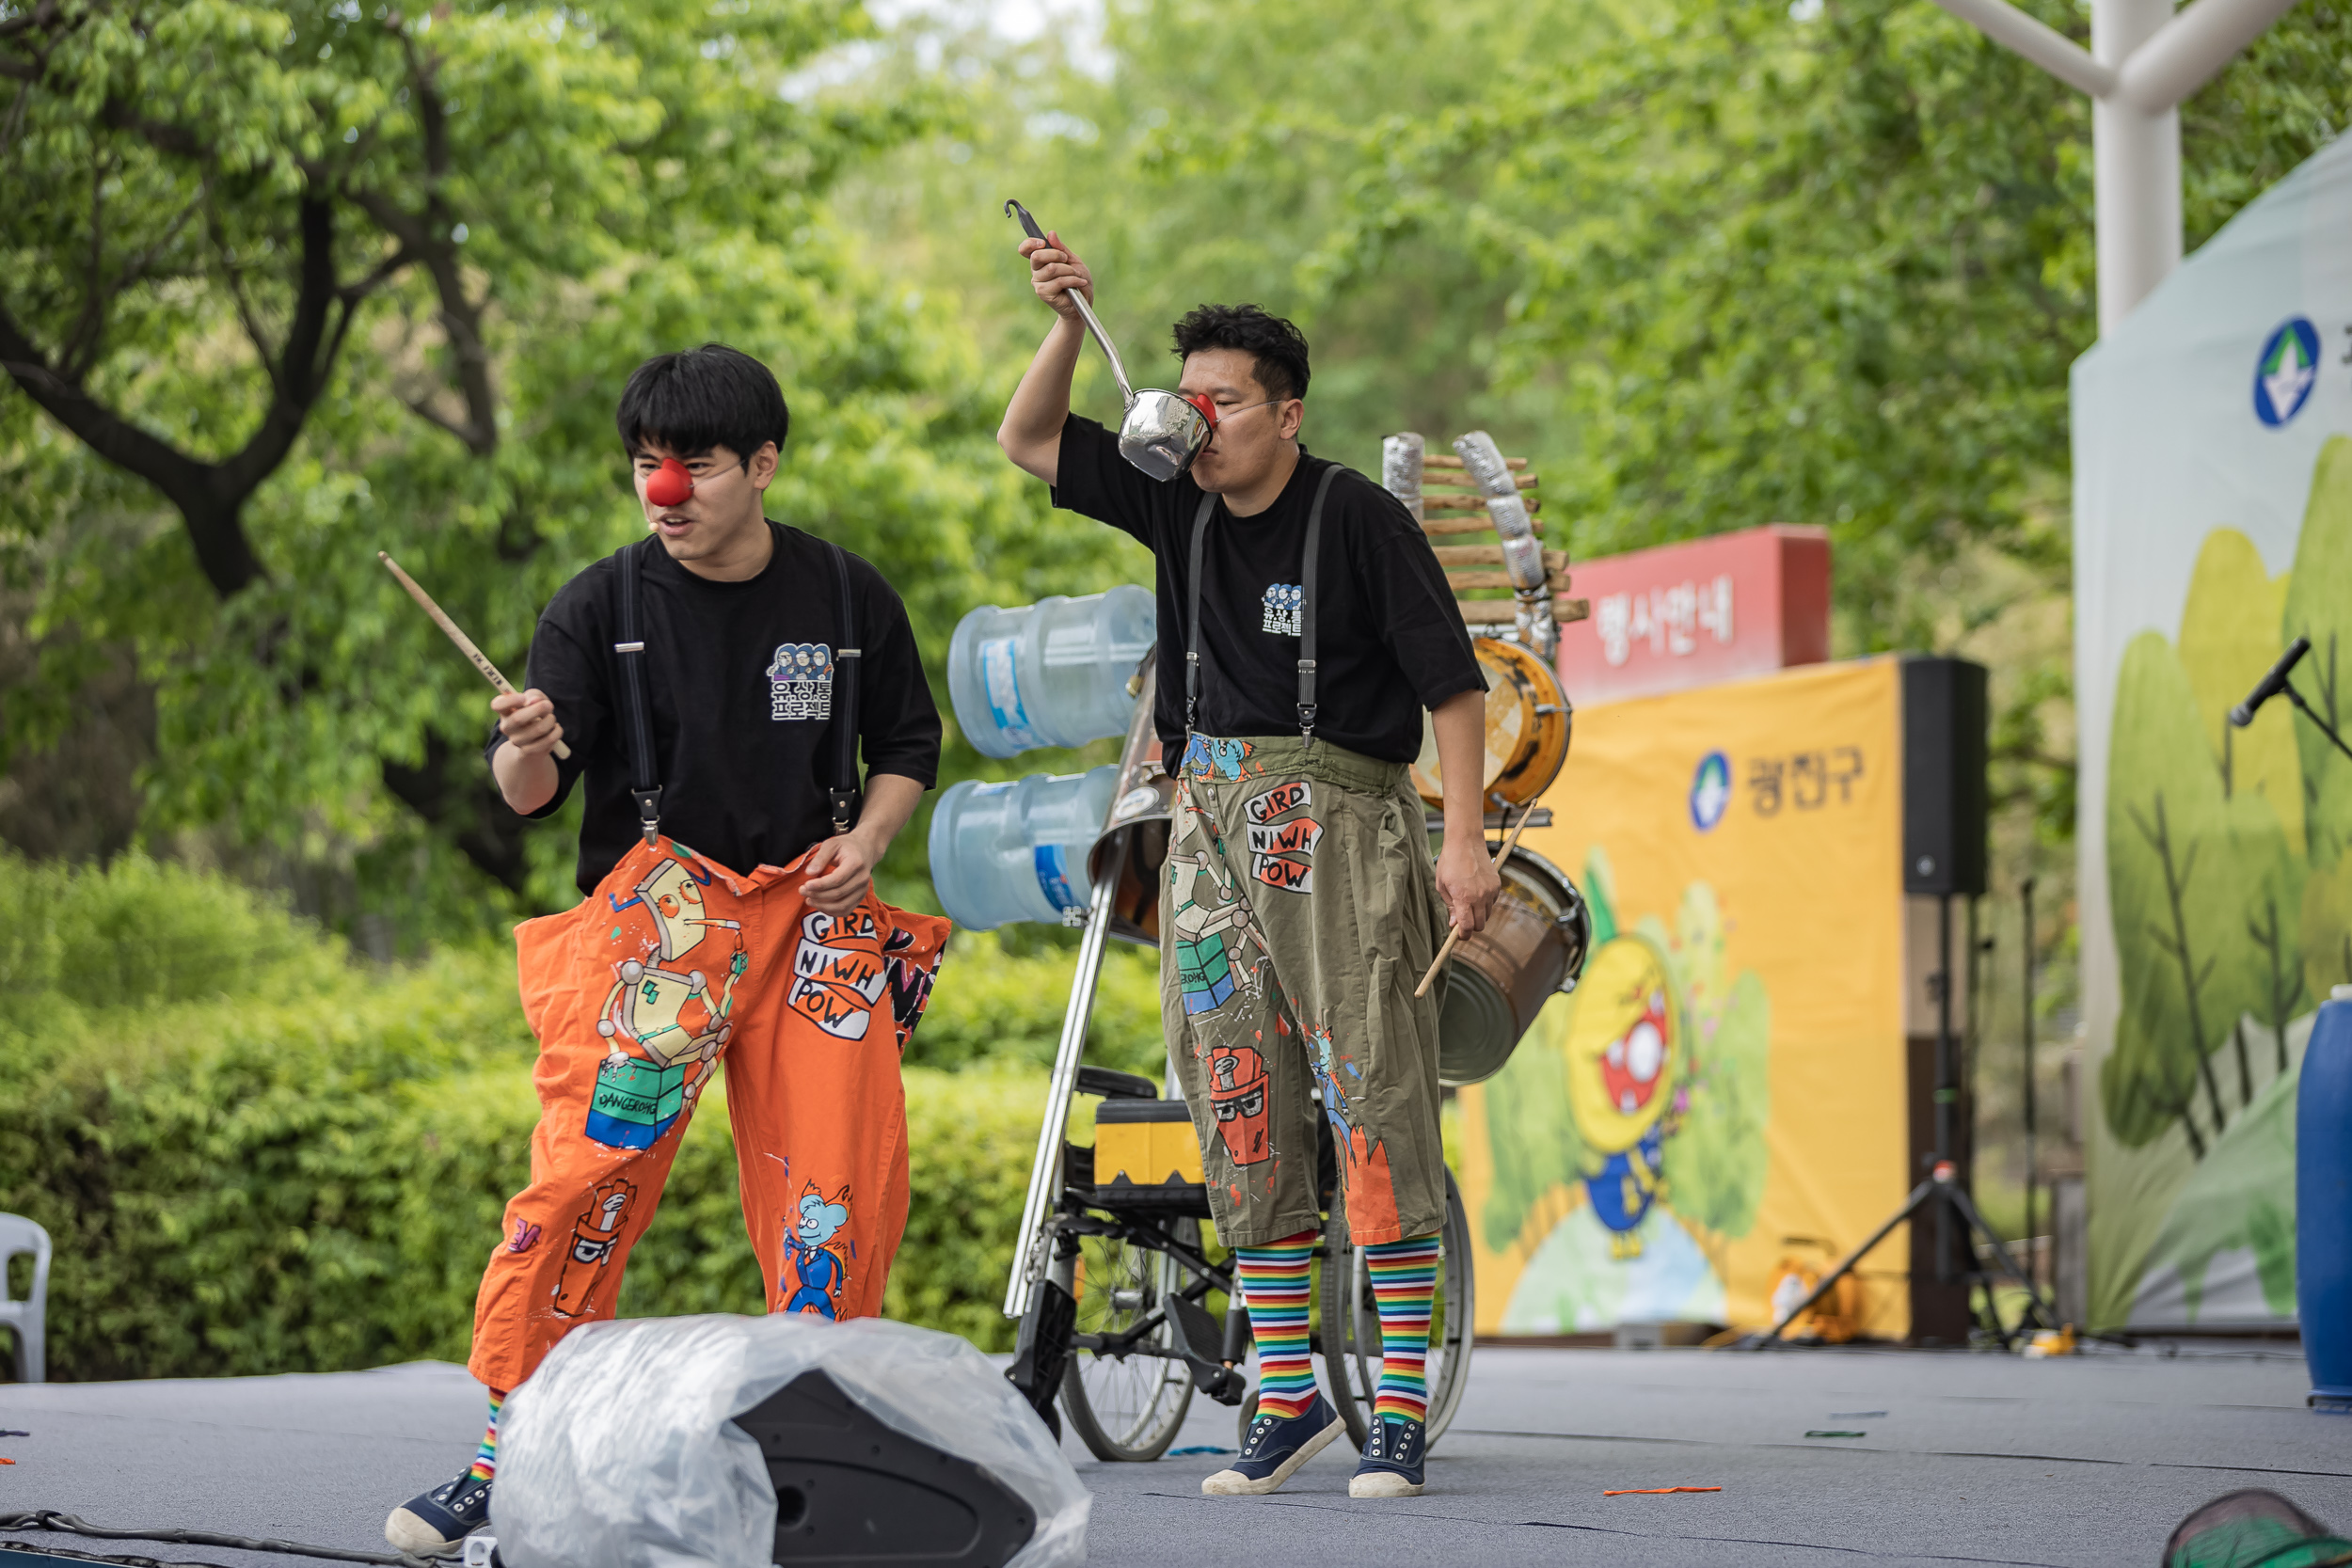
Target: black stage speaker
(1944, 785)
(851, 1490)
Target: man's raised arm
(1031, 433)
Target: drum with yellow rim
(1527, 728)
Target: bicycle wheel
(1349, 1324)
(1124, 1408)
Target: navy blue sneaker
(438, 1520)
(1391, 1463)
(1275, 1450)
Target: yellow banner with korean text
(1721, 1105)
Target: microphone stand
(2296, 698)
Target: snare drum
(1527, 728)
(1531, 947)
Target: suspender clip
(649, 813)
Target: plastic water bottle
(1050, 673)
(1002, 852)
(2322, 1202)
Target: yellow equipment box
(1145, 1143)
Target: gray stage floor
(1977, 1459)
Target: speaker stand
(1940, 1190)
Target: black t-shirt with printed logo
(1389, 641)
(739, 684)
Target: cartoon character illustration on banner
(815, 1253)
(1622, 1050)
(671, 1002)
(1237, 1095)
(595, 1235)
(1636, 1108)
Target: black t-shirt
(740, 691)
(1388, 640)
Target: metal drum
(1528, 719)
(1532, 948)
(1134, 844)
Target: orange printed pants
(672, 966)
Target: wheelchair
(1119, 1324)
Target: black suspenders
(644, 777)
(1306, 611)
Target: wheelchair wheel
(1124, 1408)
(1349, 1324)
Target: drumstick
(465, 643)
(1456, 935)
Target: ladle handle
(1101, 339)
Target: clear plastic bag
(622, 1452)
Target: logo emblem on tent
(2286, 372)
(1711, 791)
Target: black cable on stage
(127, 1560)
(68, 1524)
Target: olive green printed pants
(1299, 911)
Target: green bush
(992, 1006)
(256, 1158)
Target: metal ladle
(1160, 431)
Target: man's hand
(841, 873)
(527, 718)
(1053, 271)
(1467, 881)
(1466, 874)
(841, 869)
(524, 766)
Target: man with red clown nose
(1305, 627)
(715, 683)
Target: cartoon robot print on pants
(815, 1253)
(1211, 918)
(595, 1235)
(1237, 1094)
(671, 1012)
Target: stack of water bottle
(1050, 673)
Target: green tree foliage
(2319, 607)
(282, 284)
(2207, 896)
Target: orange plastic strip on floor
(1657, 1491)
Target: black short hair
(1279, 348)
(701, 398)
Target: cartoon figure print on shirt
(801, 681)
(815, 1253)
(1284, 603)
(671, 1001)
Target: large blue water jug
(1050, 673)
(2323, 1201)
(1002, 852)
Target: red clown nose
(669, 484)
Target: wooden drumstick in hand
(1454, 936)
(465, 643)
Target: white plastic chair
(19, 1234)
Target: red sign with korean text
(1691, 614)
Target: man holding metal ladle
(1313, 626)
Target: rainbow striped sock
(1403, 1283)
(485, 1460)
(1272, 1281)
